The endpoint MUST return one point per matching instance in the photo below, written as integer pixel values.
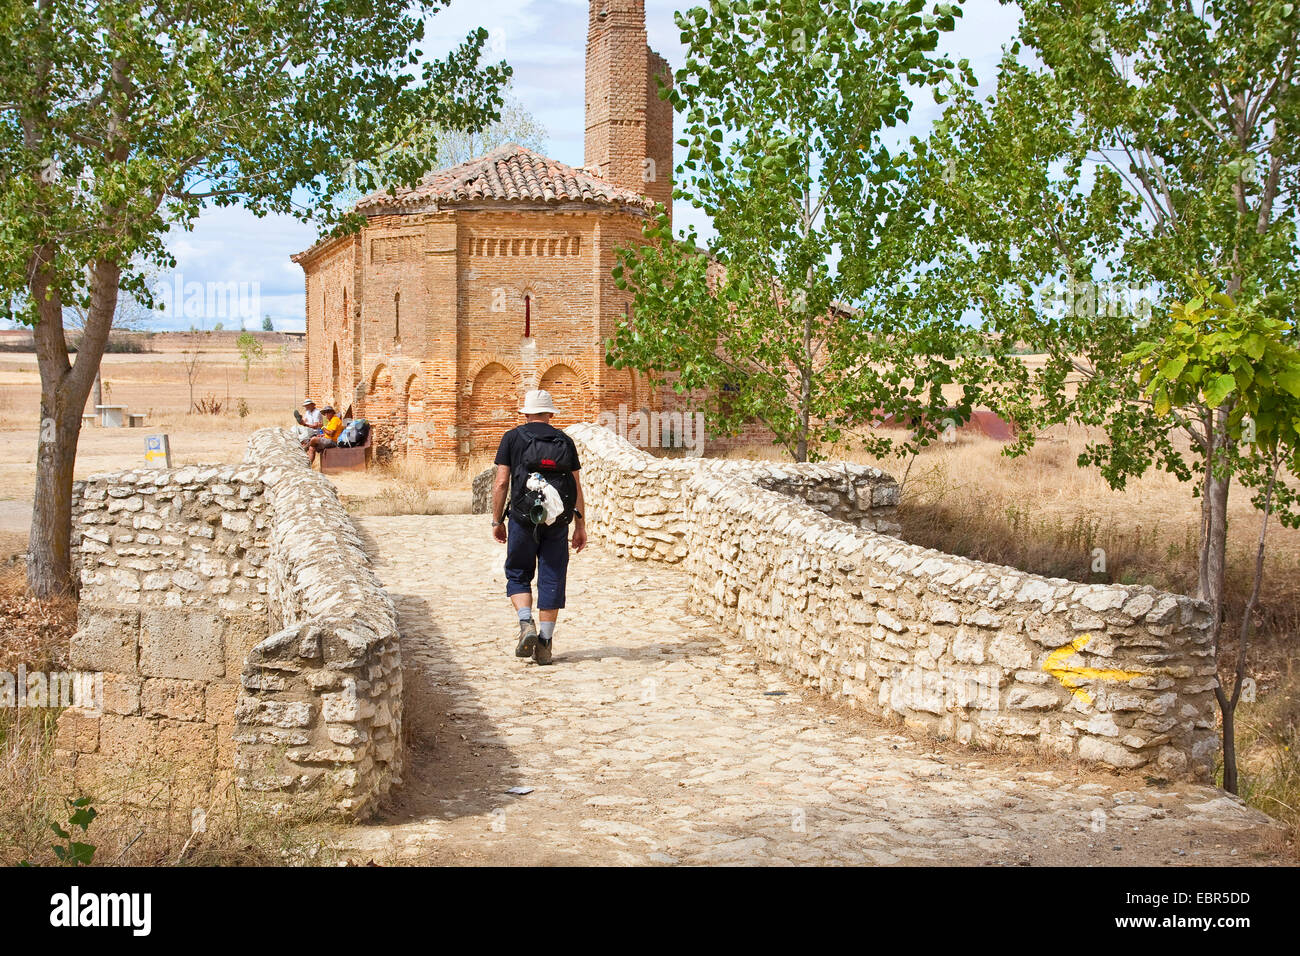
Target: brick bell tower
(629, 140)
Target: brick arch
(381, 410)
(572, 392)
(492, 406)
(509, 365)
(384, 372)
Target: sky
(545, 42)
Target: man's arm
(499, 489)
(580, 517)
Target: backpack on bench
(354, 433)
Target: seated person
(331, 428)
(309, 422)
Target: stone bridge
(751, 669)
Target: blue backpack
(354, 433)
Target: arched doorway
(382, 411)
(571, 396)
(412, 427)
(494, 403)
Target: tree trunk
(49, 549)
(49, 546)
(64, 390)
(1228, 705)
(1229, 748)
(1214, 517)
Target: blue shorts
(548, 555)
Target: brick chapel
(494, 277)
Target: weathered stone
(181, 643)
(106, 640)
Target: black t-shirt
(511, 449)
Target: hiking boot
(542, 652)
(527, 639)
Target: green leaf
(1172, 368)
(1219, 389)
(1289, 380)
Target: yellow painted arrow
(1071, 677)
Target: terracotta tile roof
(510, 173)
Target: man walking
(532, 451)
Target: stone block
(185, 744)
(127, 739)
(274, 713)
(77, 732)
(121, 694)
(219, 703)
(169, 697)
(182, 643)
(241, 633)
(107, 639)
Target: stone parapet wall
(172, 596)
(981, 654)
(242, 636)
(639, 509)
(321, 705)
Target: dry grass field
(1041, 513)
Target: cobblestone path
(657, 739)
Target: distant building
(493, 277)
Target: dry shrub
(1268, 739)
(27, 801)
(406, 487)
(33, 631)
(208, 405)
(146, 815)
(429, 477)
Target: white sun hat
(539, 402)
(309, 402)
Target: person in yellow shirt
(331, 428)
